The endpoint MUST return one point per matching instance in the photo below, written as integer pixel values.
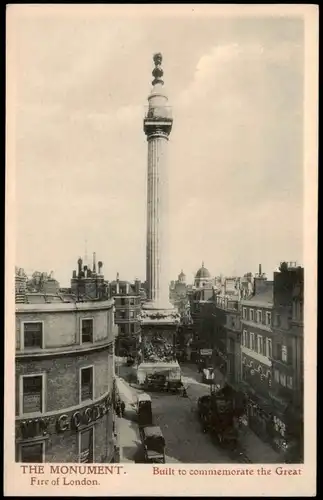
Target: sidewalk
(257, 450)
(127, 393)
(128, 439)
(127, 429)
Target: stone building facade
(256, 354)
(64, 380)
(127, 298)
(288, 360)
(227, 338)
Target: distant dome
(203, 273)
(181, 275)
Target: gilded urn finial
(157, 71)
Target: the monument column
(157, 126)
(159, 319)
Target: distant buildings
(43, 282)
(127, 298)
(64, 378)
(178, 294)
(201, 300)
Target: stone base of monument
(159, 324)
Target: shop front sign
(71, 420)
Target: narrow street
(178, 419)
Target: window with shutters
(244, 313)
(290, 382)
(86, 383)
(268, 318)
(86, 330)
(32, 394)
(32, 453)
(244, 338)
(259, 316)
(86, 446)
(252, 314)
(32, 335)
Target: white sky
(235, 152)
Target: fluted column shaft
(157, 217)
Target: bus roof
(143, 397)
(153, 431)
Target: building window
(87, 330)
(132, 314)
(86, 446)
(252, 341)
(32, 394)
(244, 313)
(269, 348)
(86, 383)
(122, 314)
(122, 329)
(260, 344)
(283, 379)
(278, 321)
(132, 302)
(268, 318)
(244, 338)
(123, 301)
(252, 314)
(132, 328)
(259, 316)
(32, 453)
(290, 382)
(276, 375)
(284, 353)
(33, 335)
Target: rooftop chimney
(100, 265)
(260, 270)
(94, 262)
(79, 263)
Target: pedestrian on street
(122, 407)
(118, 409)
(184, 392)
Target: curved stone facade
(64, 382)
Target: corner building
(64, 380)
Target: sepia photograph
(157, 192)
